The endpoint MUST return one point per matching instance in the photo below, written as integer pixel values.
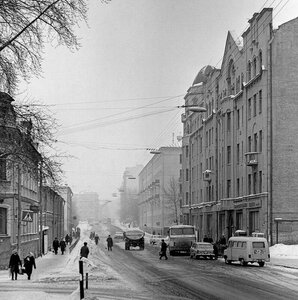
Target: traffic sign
(27, 216)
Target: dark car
(202, 250)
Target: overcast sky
(116, 96)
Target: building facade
(239, 157)
(66, 193)
(19, 159)
(159, 200)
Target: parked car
(118, 237)
(202, 249)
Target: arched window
(231, 78)
(260, 62)
(249, 71)
(254, 67)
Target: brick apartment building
(240, 158)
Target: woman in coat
(14, 264)
(29, 263)
(62, 246)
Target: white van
(246, 250)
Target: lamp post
(277, 220)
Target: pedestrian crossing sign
(27, 216)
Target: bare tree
(28, 138)
(171, 194)
(25, 26)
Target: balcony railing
(251, 158)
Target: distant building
(159, 191)
(85, 207)
(240, 158)
(129, 195)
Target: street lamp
(194, 108)
(277, 220)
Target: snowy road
(136, 274)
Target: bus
(181, 238)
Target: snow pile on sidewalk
(284, 251)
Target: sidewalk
(47, 265)
(291, 263)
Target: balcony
(207, 175)
(251, 159)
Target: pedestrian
(109, 243)
(29, 263)
(84, 251)
(62, 246)
(96, 238)
(205, 239)
(67, 239)
(14, 264)
(163, 250)
(215, 250)
(56, 245)
(70, 239)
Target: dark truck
(133, 238)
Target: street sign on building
(27, 216)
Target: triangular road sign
(27, 216)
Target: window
(228, 154)
(180, 158)
(260, 140)
(260, 181)
(228, 188)
(254, 67)
(254, 182)
(239, 220)
(258, 245)
(256, 142)
(238, 187)
(206, 139)
(228, 121)
(249, 108)
(249, 184)
(186, 175)
(255, 105)
(260, 101)
(249, 71)
(253, 221)
(186, 198)
(249, 144)
(3, 169)
(260, 62)
(186, 151)
(238, 119)
(3, 220)
(238, 154)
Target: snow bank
(284, 251)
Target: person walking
(56, 245)
(96, 238)
(109, 243)
(163, 250)
(67, 239)
(62, 246)
(14, 264)
(29, 263)
(84, 251)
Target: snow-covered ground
(47, 272)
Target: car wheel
(227, 261)
(243, 263)
(261, 263)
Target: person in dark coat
(14, 264)
(205, 239)
(67, 239)
(29, 263)
(62, 246)
(96, 238)
(163, 250)
(109, 243)
(84, 251)
(56, 245)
